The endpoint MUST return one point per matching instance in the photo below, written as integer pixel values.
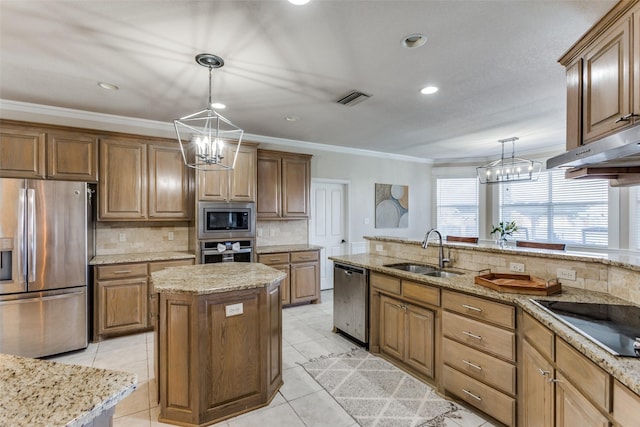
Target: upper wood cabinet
(238, 185)
(603, 68)
(39, 152)
(284, 181)
(22, 152)
(142, 181)
(72, 156)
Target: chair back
(540, 245)
(462, 239)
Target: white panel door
(328, 225)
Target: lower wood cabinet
(122, 303)
(302, 283)
(407, 333)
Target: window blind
(457, 206)
(555, 209)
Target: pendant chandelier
(207, 140)
(509, 169)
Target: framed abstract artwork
(392, 206)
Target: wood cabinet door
(538, 407)
(274, 359)
(168, 184)
(296, 184)
(72, 156)
(304, 282)
(573, 409)
(22, 152)
(122, 305)
(392, 330)
(574, 105)
(420, 339)
(269, 187)
(285, 288)
(123, 180)
(606, 82)
(213, 186)
(242, 185)
(636, 63)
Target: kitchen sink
(425, 270)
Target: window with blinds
(555, 209)
(457, 206)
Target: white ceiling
(495, 63)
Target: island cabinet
(220, 341)
(302, 283)
(284, 184)
(560, 386)
(404, 320)
(237, 185)
(34, 151)
(122, 299)
(479, 354)
(603, 74)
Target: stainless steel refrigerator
(46, 239)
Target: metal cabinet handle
(473, 365)
(626, 118)
(122, 272)
(470, 307)
(469, 334)
(543, 372)
(475, 396)
(553, 380)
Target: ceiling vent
(352, 98)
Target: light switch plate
(516, 267)
(379, 248)
(233, 309)
(122, 237)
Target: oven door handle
(216, 252)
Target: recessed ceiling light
(218, 106)
(108, 86)
(292, 118)
(428, 90)
(299, 2)
(414, 40)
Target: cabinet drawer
(277, 258)
(584, 374)
(421, 293)
(306, 256)
(385, 283)
(538, 336)
(479, 308)
(478, 335)
(626, 405)
(498, 405)
(120, 271)
(495, 372)
(161, 265)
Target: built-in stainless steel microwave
(219, 220)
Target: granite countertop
(42, 393)
(624, 369)
(261, 250)
(629, 260)
(215, 278)
(139, 257)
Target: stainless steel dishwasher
(351, 302)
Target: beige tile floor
(307, 333)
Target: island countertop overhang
(204, 279)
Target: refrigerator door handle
(31, 234)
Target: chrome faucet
(425, 244)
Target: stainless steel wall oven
(226, 251)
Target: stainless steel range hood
(621, 150)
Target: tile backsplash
(270, 233)
(130, 237)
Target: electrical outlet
(366, 221)
(260, 232)
(233, 309)
(516, 267)
(122, 237)
(379, 248)
(565, 273)
(170, 235)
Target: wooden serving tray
(518, 284)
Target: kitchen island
(43, 393)
(219, 340)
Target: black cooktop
(613, 327)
